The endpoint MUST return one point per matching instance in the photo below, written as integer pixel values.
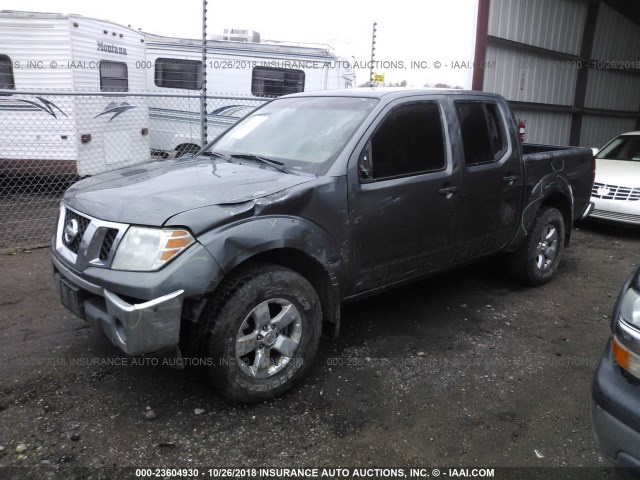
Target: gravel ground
(466, 369)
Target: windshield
(625, 147)
(305, 134)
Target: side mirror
(364, 164)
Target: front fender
(235, 243)
(545, 192)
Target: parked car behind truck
(245, 252)
(616, 190)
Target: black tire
(238, 311)
(536, 262)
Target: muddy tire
(263, 330)
(537, 260)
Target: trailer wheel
(537, 260)
(186, 150)
(263, 332)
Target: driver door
(403, 196)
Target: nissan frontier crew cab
(242, 254)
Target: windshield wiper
(269, 161)
(217, 154)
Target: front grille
(615, 192)
(98, 238)
(107, 243)
(73, 242)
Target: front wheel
(537, 260)
(263, 332)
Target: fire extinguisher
(522, 128)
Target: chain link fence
(51, 139)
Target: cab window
(409, 141)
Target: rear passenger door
(492, 177)
(403, 192)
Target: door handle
(448, 191)
(510, 178)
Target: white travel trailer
(53, 55)
(245, 72)
(75, 118)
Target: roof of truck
(380, 92)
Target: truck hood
(149, 194)
(625, 173)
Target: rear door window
(483, 136)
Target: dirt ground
(466, 369)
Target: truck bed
(545, 164)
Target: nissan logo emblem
(71, 231)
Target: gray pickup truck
(239, 256)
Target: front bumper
(616, 211)
(137, 329)
(615, 413)
(138, 311)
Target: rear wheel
(537, 260)
(263, 333)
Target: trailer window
(178, 73)
(274, 82)
(113, 76)
(483, 136)
(7, 81)
(409, 141)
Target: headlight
(630, 307)
(146, 249)
(626, 330)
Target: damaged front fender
(233, 244)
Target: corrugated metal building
(569, 68)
